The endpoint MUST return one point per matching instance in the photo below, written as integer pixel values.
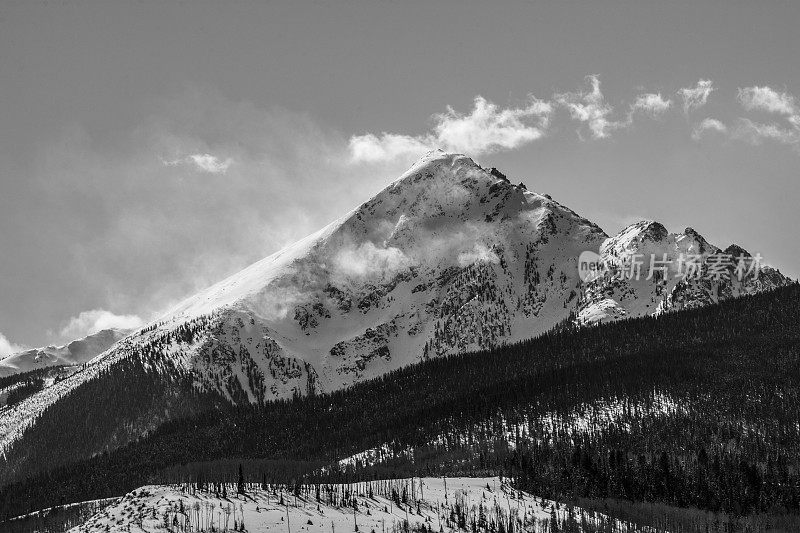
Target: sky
(151, 148)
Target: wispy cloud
(766, 99)
(88, 322)
(756, 133)
(7, 347)
(696, 97)
(202, 162)
(590, 108)
(708, 125)
(487, 128)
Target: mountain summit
(450, 257)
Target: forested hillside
(699, 408)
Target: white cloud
(489, 129)
(486, 129)
(708, 125)
(767, 99)
(651, 104)
(7, 347)
(591, 109)
(771, 101)
(202, 162)
(696, 97)
(88, 322)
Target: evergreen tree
(240, 483)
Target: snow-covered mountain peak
(448, 257)
(438, 157)
(691, 242)
(734, 250)
(444, 211)
(635, 238)
(650, 237)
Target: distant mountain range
(74, 353)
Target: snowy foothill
(429, 504)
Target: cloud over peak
(487, 128)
